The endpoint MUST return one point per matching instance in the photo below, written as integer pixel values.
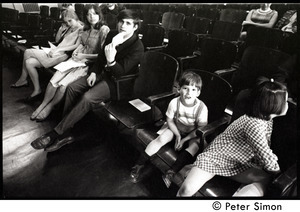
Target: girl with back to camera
(242, 152)
(37, 58)
(91, 42)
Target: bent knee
(186, 191)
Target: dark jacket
(127, 60)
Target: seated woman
(262, 17)
(288, 22)
(37, 58)
(91, 42)
(242, 152)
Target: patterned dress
(92, 42)
(244, 144)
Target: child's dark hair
(98, 11)
(268, 97)
(129, 14)
(190, 78)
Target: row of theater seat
(186, 50)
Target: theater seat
(216, 93)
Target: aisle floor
(97, 165)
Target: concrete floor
(96, 166)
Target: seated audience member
(185, 113)
(288, 22)
(121, 56)
(37, 58)
(242, 152)
(112, 8)
(110, 12)
(92, 41)
(262, 17)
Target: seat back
(34, 20)
(197, 25)
(44, 11)
(79, 9)
(54, 13)
(111, 20)
(9, 15)
(151, 17)
(153, 35)
(233, 15)
(216, 54)
(207, 12)
(157, 74)
(271, 38)
(215, 93)
(181, 43)
(23, 19)
(172, 21)
(226, 30)
(257, 61)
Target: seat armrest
(187, 57)
(156, 48)
(124, 78)
(160, 103)
(212, 127)
(226, 72)
(161, 97)
(284, 182)
(118, 80)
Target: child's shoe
(167, 178)
(135, 173)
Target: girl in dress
(242, 152)
(37, 58)
(91, 42)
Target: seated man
(121, 56)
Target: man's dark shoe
(42, 142)
(60, 143)
(135, 173)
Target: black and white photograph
(150, 101)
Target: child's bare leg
(193, 146)
(194, 181)
(160, 141)
(256, 181)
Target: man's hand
(118, 39)
(110, 52)
(91, 79)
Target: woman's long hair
(98, 11)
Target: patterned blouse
(244, 144)
(90, 40)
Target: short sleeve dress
(46, 61)
(244, 144)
